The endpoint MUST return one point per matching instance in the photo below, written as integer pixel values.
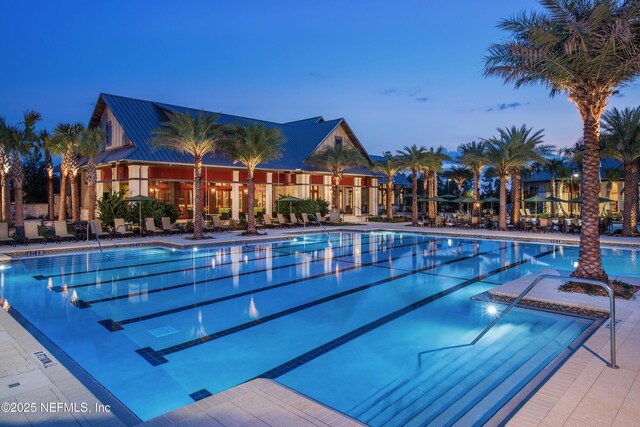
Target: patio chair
(319, 217)
(168, 227)
(62, 233)
(150, 225)
(31, 233)
(218, 225)
(305, 219)
(268, 223)
(475, 222)
(97, 230)
(545, 225)
(438, 221)
(4, 234)
(282, 221)
(294, 219)
(528, 212)
(120, 228)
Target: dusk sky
(407, 72)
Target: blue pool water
(342, 322)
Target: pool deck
(584, 391)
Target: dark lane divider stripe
(350, 336)
(113, 325)
(86, 304)
(156, 357)
(160, 273)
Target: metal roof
(139, 119)
(545, 176)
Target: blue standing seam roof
(139, 119)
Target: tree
(528, 145)
(35, 177)
(45, 143)
(621, 139)
(5, 169)
(65, 143)
(558, 170)
(21, 139)
(389, 166)
(413, 158)
(434, 159)
(472, 156)
(253, 144)
(336, 159)
(89, 146)
(585, 49)
(195, 136)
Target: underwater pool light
(492, 310)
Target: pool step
(487, 391)
(436, 366)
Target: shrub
(113, 205)
(309, 206)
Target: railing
(321, 225)
(95, 232)
(612, 312)
(612, 308)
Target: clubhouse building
(131, 162)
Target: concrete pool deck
(584, 391)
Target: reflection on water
(253, 310)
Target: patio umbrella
(448, 196)
(139, 199)
(491, 200)
(466, 200)
(536, 199)
(289, 199)
(579, 200)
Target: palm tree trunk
(75, 198)
(62, 209)
(92, 178)
(503, 203)
(515, 197)
(18, 177)
(630, 219)
(414, 198)
(335, 192)
(251, 188)
(197, 199)
(559, 191)
(6, 199)
(50, 196)
(553, 193)
(424, 191)
(476, 192)
(389, 192)
(590, 259)
(433, 192)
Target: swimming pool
(341, 321)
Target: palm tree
(89, 146)
(389, 166)
(498, 156)
(196, 136)
(611, 175)
(472, 156)
(21, 140)
(413, 158)
(528, 146)
(557, 169)
(585, 49)
(252, 145)
(45, 143)
(458, 174)
(621, 139)
(5, 169)
(434, 159)
(336, 159)
(65, 143)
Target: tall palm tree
(434, 159)
(89, 146)
(45, 143)
(527, 144)
(585, 49)
(196, 136)
(389, 166)
(253, 144)
(336, 159)
(458, 174)
(472, 156)
(413, 158)
(22, 139)
(621, 139)
(65, 143)
(558, 170)
(498, 156)
(5, 169)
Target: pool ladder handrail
(607, 288)
(95, 232)
(321, 225)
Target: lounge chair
(62, 233)
(4, 234)
(31, 233)
(120, 228)
(150, 225)
(97, 230)
(268, 223)
(305, 219)
(283, 222)
(294, 219)
(168, 227)
(319, 217)
(218, 225)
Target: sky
(400, 73)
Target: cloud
(390, 91)
(413, 91)
(422, 99)
(505, 106)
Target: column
(327, 189)
(302, 185)
(115, 184)
(138, 180)
(373, 197)
(357, 196)
(235, 196)
(269, 191)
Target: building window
(107, 133)
(338, 140)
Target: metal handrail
(321, 225)
(95, 232)
(612, 308)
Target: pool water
(342, 321)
